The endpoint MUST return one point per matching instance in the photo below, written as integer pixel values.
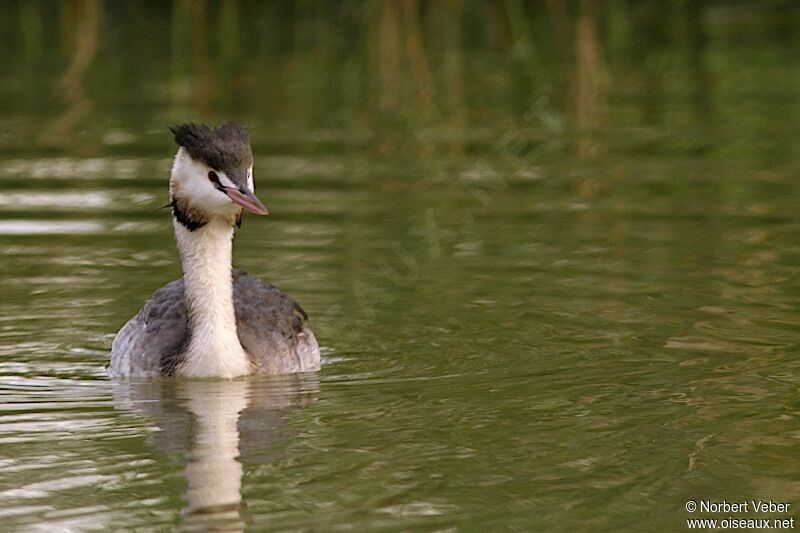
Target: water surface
(545, 302)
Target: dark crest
(225, 148)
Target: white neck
(214, 349)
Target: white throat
(214, 349)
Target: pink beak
(246, 199)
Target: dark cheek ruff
(186, 217)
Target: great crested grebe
(215, 322)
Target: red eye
(213, 178)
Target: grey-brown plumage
(272, 329)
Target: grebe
(215, 322)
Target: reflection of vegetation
(588, 81)
(452, 72)
(81, 21)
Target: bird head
(212, 174)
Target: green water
(554, 291)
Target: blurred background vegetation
(527, 80)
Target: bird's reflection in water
(216, 425)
